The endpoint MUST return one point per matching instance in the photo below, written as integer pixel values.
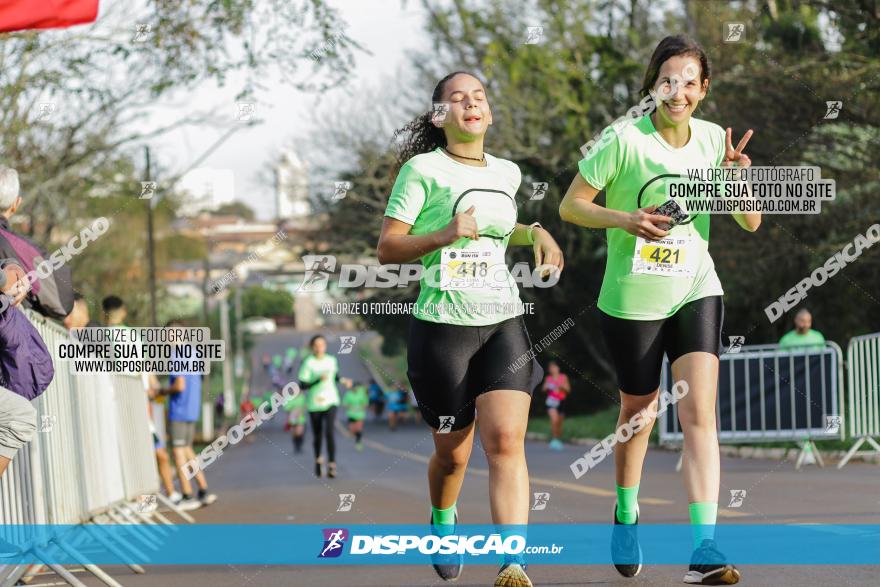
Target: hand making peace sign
(735, 157)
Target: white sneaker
(189, 504)
(175, 497)
(209, 499)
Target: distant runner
(318, 375)
(355, 401)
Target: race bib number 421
(670, 256)
(472, 269)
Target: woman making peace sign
(660, 293)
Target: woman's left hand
(735, 157)
(547, 252)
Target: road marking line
(725, 513)
(585, 489)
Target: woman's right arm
(578, 208)
(397, 245)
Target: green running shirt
(322, 395)
(631, 159)
(356, 401)
(812, 338)
(296, 402)
(430, 189)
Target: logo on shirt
(494, 210)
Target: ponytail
(417, 137)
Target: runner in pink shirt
(557, 387)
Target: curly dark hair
(420, 135)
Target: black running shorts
(637, 346)
(450, 365)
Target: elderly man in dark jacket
(51, 290)
(26, 368)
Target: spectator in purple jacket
(18, 418)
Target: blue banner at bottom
(353, 544)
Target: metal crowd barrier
(863, 378)
(91, 461)
(768, 394)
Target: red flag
(16, 15)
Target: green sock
(627, 504)
(444, 517)
(703, 514)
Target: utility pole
(151, 257)
(150, 248)
(228, 392)
(239, 345)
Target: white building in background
(292, 189)
(206, 188)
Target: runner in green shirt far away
(355, 401)
(318, 375)
(296, 419)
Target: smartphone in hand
(673, 210)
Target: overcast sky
(387, 30)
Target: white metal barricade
(92, 455)
(767, 394)
(138, 457)
(96, 399)
(863, 379)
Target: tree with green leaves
(552, 96)
(77, 106)
(259, 301)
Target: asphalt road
(264, 482)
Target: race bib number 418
(670, 256)
(472, 269)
